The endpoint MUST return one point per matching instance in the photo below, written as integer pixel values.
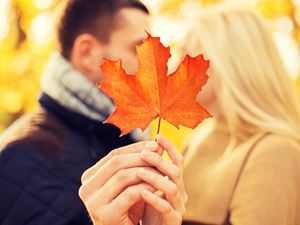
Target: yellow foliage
(273, 9)
(23, 55)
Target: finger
(163, 184)
(129, 197)
(163, 165)
(160, 150)
(168, 168)
(105, 172)
(120, 181)
(174, 155)
(170, 217)
(133, 148)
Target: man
(44, 154)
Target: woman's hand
(111, 189)
(168, 207)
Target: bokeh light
(4, 13)
(43, 4)
(27, 38)
(41, 29)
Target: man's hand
(111, 189)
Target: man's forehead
(132, 17)
(132, 24)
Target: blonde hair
(252, 86)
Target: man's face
(130, 31)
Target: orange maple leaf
(151, 93)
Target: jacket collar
(76, 121)
(71, 89)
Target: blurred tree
(27, 38)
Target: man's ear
(86, 55)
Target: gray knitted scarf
(66, 85)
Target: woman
(245, 169)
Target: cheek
(130, 63)
(128, 58)
(111, 53)
(206, 97)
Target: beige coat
(256, 184)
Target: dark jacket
(41, 163)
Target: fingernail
(151, 145)
(158, 135)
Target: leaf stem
(158, 128)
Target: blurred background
(27, 38)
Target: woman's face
(207, 97)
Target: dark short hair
(95, 17)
